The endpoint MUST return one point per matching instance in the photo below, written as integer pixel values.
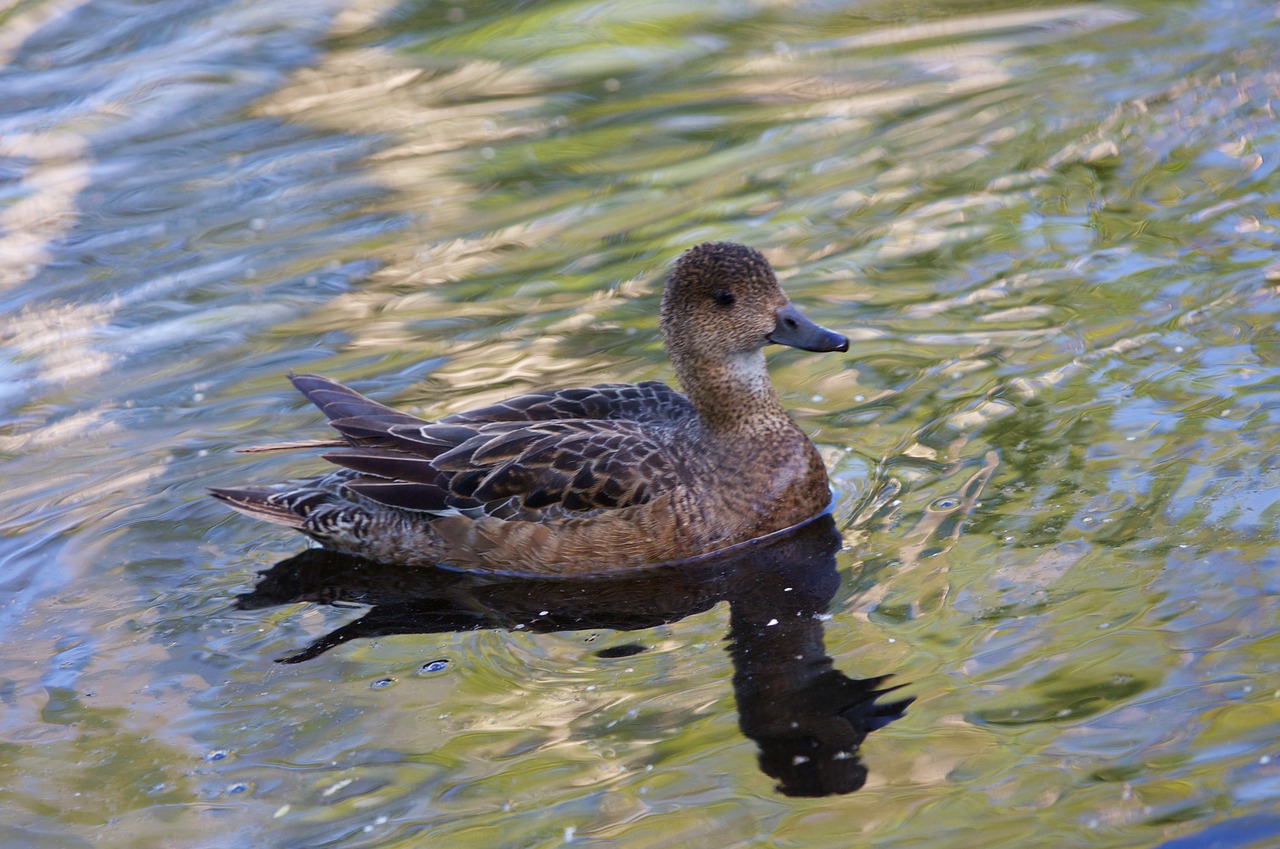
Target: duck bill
(799, 332)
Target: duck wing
(565, 466)
(568, 452)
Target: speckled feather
(583, 480)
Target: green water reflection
(1049, 230)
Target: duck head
(722, 299)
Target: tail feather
(257, 502)
(293, 446)
(341, 402)
(360, 420)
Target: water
(1050, 231)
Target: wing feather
(392, 465)
(650, 401)
(408, 496)
(342, 402)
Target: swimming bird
(587, 480)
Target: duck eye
(723, 297)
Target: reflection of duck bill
(806, 716)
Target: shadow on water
(808, 718)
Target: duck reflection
(807, 717)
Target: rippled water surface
(1049, 230)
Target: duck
(579, 481)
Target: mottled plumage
(578, 481)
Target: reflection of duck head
(807, 717)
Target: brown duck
(579, 481)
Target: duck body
(580, 481)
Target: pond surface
(1049, 230)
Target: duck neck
(732, 393)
